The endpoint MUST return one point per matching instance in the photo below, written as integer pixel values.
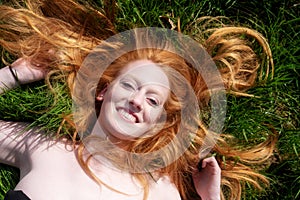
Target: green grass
(37, 105)
(8, 179)
(247, 118)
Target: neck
(100, 132)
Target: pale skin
(50, 170)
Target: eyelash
(128, 85)
(153, 102)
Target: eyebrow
(158, 92)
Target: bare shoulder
(164, 189)
(16, 140)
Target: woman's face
(134, 101)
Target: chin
(124, 136)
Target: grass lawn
(276, 102)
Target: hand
(26, 72)
(207, 181)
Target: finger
(211, 161)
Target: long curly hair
(59, 34)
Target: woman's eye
(127, 85)
(153, 102)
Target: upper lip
(137, 120)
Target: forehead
(146, 72)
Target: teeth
(126, 115)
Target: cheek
(112, 95)
(157, 114)
(119, 93)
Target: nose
(136, 101)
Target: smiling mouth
(128, 116)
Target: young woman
(138, 102)
(131, 105)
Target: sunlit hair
(173, 106)
(59, 42)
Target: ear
(100, 95)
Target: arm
(7, 80)
(15, 142)
(208, 180)
(24, 72)
(11, 145)
(13, 137)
